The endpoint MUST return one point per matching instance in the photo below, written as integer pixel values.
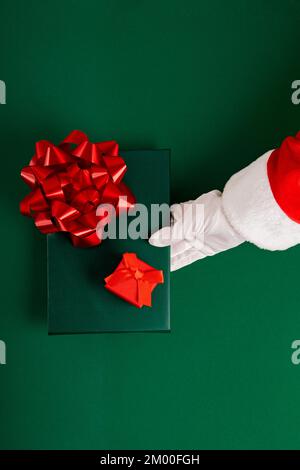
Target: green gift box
(77, 299)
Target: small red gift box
(134, 280)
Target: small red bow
(69, 181)
(134, 280)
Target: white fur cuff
(252, 210)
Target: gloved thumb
(162, 237)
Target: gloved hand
(198, 229)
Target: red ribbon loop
(69, 181)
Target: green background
(212, 81)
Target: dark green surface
(212, 81)
(77, 299)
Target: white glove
(198, 229)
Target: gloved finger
(161, 238)
(179, 247)
(189, 220)
(188, 248)
(176, 212)
(185, 258)
(167, 235)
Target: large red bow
(134, 280)
(68, 183)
